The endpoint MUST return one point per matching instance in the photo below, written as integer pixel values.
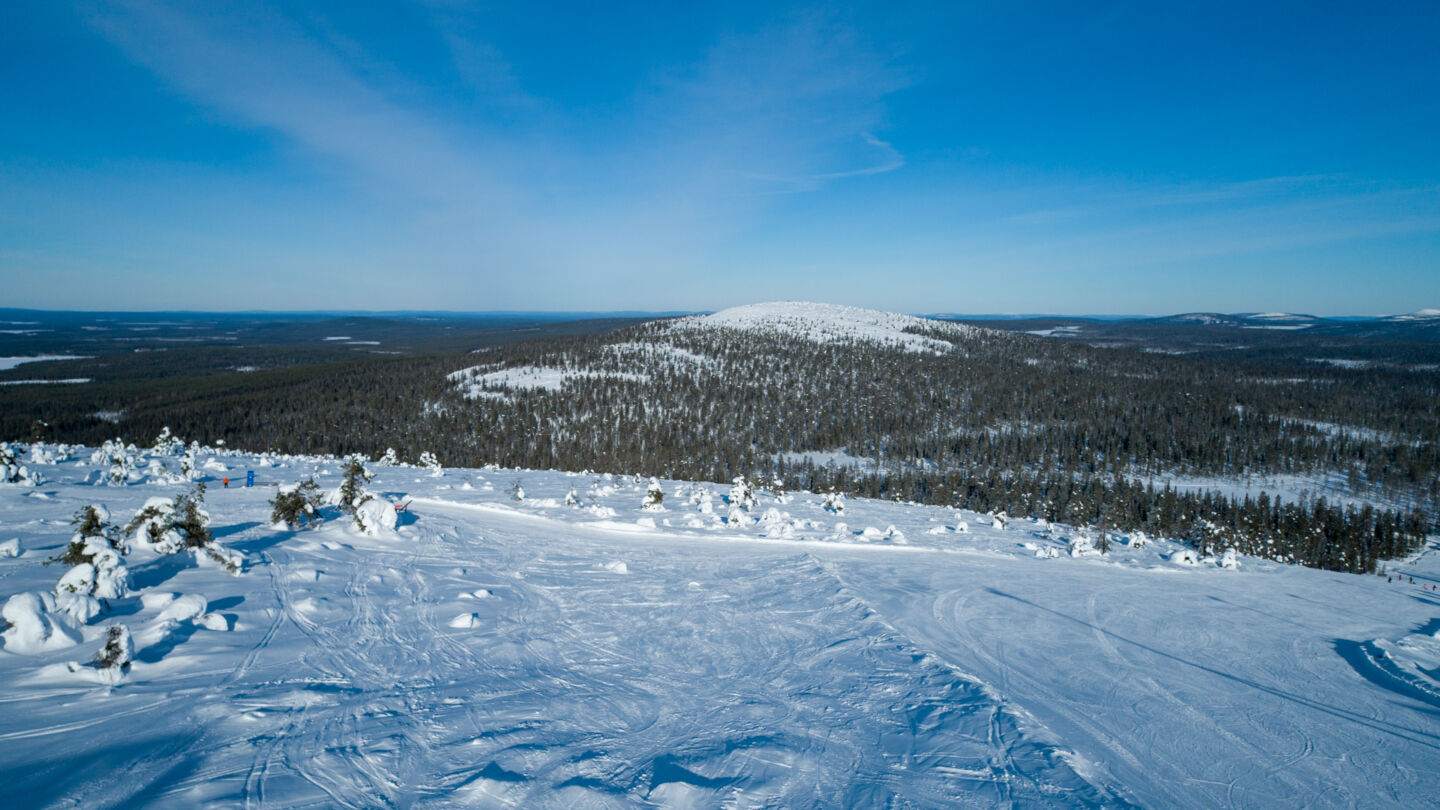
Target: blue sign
(249, 478)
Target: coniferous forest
(1183, 445)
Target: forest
(1000, 422)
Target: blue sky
(956, 157)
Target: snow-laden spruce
(13, 471)
(180, 524)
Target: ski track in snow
(604, 664)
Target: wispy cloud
(268, 71)
(788, 107)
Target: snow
(1198, 317)
(831, 323)
(1417, 315)
(476, 381)
(36, 625)
(1056, 331)
(827, 458)
(67, 381)
(674, 355)
(376, 516)
(493, 652)
(1279, 316)
(7, 363)
(1291, 488)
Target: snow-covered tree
(371, 514)
(96, 570)
(431, 463)
(120, 459)
(1229, 559)
(742, 493)
(1082, 545)
(93, 520)
(654, 497)
(171, 526)
(352, 485)
(190, 463)
(166, 444)
(390, 459)
(13, 472)
(296, 505)
(833, 501)
(113, 660)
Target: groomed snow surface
(569, 649)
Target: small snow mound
(1413, 660)
(36, 626)
(11, 548)
(616, 567)
(214, 621)
(479, 593)
(185, 608)
(1185, 556)
(466, 621)
(157, 600)
(376, 515)
(832, 323)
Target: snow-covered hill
(540, 639)
(832, 323)
(653, 352)
(1424, 315)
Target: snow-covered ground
(573, 649)
(1054, 331)
(480, 381)
(1288, 487)
(7, 363)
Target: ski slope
(500, 652)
